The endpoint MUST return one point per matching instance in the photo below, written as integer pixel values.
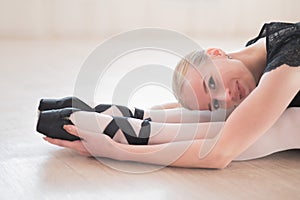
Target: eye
(211, 83)
(215, 104)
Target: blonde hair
(194, 59)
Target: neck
(254, 58)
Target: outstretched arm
(180, 154)
(283, 135)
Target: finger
(71, 129)
(77, 146)
(65, 143)
(84, 153)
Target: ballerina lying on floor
(259, 84)
(122, 126)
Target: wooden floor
(33, 169)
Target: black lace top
(283, 47)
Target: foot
(51, 122)
(72, 102)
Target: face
(224, 83)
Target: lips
(241, 89)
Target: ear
(215, 52)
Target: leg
(74, 102)
(51, 122)
(176, 115)
(121, 129)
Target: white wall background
(101, 18)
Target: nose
(227, 99)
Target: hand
(91, 144)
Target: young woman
(257, 83)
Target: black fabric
(138, 113)
(102, 107)
(283, 47)
(144, 133)
(51, 122)
(55, 113)
(74, 102)
(126, 112)
(111, 129)
(132, 138)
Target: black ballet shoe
(51, 122)
(74, 102)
